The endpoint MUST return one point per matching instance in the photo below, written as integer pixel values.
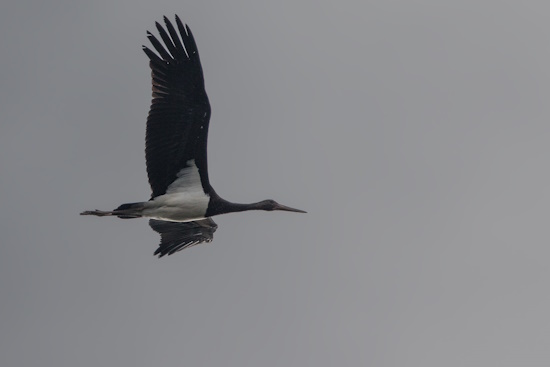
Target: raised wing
(176, 236)
(177, 125)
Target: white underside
(184, 200)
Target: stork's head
(271, 205)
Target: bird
(182, 202)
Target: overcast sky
(415, 133)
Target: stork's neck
(217, 205)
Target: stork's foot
(99, 213)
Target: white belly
(177, 207)
(184, 201)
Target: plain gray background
(415, 133)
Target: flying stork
(182, 201)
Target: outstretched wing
(176, 236)
(177, 125)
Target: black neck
(218, 205)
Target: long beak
(288, 209)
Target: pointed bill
(288, 209)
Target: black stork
(182, 202)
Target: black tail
(128, 208)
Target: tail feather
(128, 211)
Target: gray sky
(416, 135)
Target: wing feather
(177, 236)
(177, 125)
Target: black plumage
(177, 125)
(177, 236)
